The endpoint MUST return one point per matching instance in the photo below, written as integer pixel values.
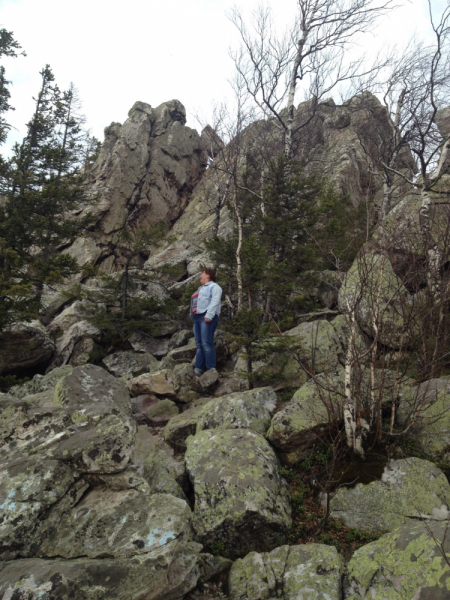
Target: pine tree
(8, 47)
(44, 189)
(119, 309)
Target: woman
(205, 310)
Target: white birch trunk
(238, 250)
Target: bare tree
(312, 57)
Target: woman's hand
(207, 320)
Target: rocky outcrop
(409, 489)
(241, 501)
(310, 571)
(145, 173)
(407, 564)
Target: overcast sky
(120, 51)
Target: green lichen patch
(409, 489)
(410, 563)
(241, 501)
(240, 410)
(308, 571)
(117, 523)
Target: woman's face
(204, 278)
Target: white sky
(120, 51)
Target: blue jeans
(205, 358)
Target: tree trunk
(238, 250)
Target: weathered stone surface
(429, 408)
(143, 343)
(68, 317)
(84, 250)
(28, 487)
(164, 473)
(320, 346)
(406, 564)
(241, 410)
(319, 401)
(114, 524)
(241, 501)
(136, 363)
(85, 422)
(372, 288)
(141, 404)
(181, 427)
(292, 429)
(208, 379)
(66, 344)
(409, 489)
(161, 383)
(25, 345)
(183, 353)
(361, 340)
(41, 383)
(180, 338)
(310, 571)
(165, 573)
(161, 412)
(183, 373)
(146, 169)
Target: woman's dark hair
(211, 273)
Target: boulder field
(97, 504)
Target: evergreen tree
(120, 309)
(295, 225)
(43, 189)
(8, 47)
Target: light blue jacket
(209, 300)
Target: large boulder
(164, 473)
(116, 524)
(76, 344)
(165, 573)
(161, 382)
(310, 571)
(379, 299)
(40, 383)
(180, 427)
(409, 489)
(428, 411)
(301, 422)
(408, 564)
(241, 410)
(29, 486)
(133, 363)
(25, 345)
(85, 422)
(320, 348)
(241, 501)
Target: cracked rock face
(406, 564)
(84, 425)
(241, 410)
(307, 571)
(409, 489)
(108, 523)
(241, 501)
(162, 574)
(145, 172)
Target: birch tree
(310, 59)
